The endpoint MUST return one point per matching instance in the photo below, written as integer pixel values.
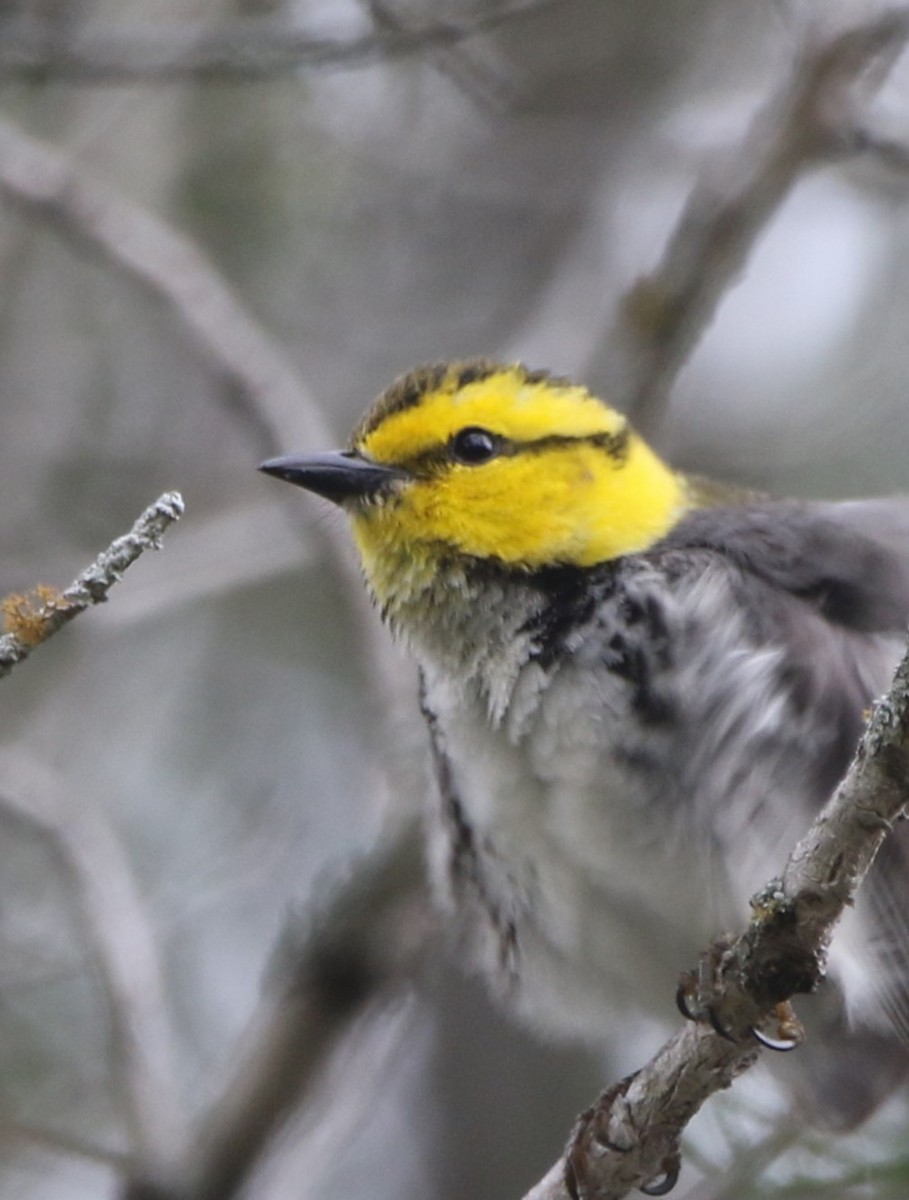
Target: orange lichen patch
(29, 616)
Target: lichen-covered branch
(33, 617)
(816, 117)
(631, 1135)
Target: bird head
(475, 461)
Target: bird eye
(473, 446)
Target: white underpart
(614, 888)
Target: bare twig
(113, 920)
(243, 51)
(33, 618)
(812, 120)
(632, 1134)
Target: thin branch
(811, 121)
(118, 933)
(242, 51)
(631, 1135)
(33, 618)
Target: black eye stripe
(439, 459)
(615, 444)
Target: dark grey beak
(338, 475)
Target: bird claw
(681, 997)
(779, 1044)
(693, 997)
(577, 1152)
(663, 1185)
(590, 1137)
(789, 1030)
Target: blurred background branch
(113, 921)
(815, 118)
(53, 189)
(249, 50)
(251, 266)
(260, 383)
(366, 941)
(15, 1134)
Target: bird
(639, 687)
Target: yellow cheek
(508, 510)
(572, 506)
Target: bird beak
(338, 475)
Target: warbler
(639, 685)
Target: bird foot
(602, 1129)
(698, 991)
(699, 994)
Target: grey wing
(879, 576)
(848, 560)
(826, 587)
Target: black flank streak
(464, 860)
(641, 759)
(636, 646)
(629, 658)
(466, 864)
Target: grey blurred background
(494, 196)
